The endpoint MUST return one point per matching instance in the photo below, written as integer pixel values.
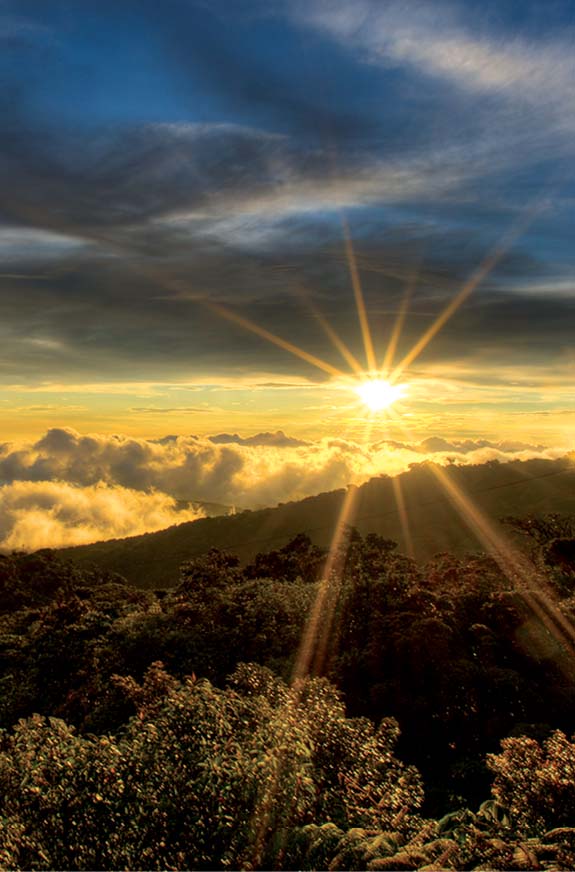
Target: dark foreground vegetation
(162, 730)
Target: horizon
(71, 489)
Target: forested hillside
(164, 729)
(435, 523)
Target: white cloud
(394, 180)
(434, 39)
(51, 514)
(563, 286)
(68, 488)
(529, 79)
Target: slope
(435, 524)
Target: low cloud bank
(47, 514)
(68, 488)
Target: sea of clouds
(69, 489)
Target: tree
(200, 778)
(300, 558)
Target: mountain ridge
(535, 486)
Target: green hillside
(498, 489)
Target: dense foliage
(120, 761)
(200, 777)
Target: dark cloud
(246, 211)
(117, 318)
(71, 183)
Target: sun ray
(526, 579)
(337, 342)
(234, 317)
(359, 300)
(478, 276)
(399, 321)
(313, 650)
(403, 516)
(175, 286)
(318, 627)
(517, 568)
(331, 582)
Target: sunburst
(378, 390)
(378, 393)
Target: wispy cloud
(35, 245)
(20, 29)
(165, 410)
(442, 40)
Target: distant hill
(499, 489)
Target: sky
(215, 215)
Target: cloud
(52, 514)
(68, 488)
(83, 324)
(23, 243)
(103, 225)
(277, 439)
(263, 470)
(437, 40)
(74, 189)
(147, 189)
(461, 447)
(164, 410)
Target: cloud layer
(51, 514)
(69, 488)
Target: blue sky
(154, 156)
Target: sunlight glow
(378, 394)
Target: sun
(378, 394)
